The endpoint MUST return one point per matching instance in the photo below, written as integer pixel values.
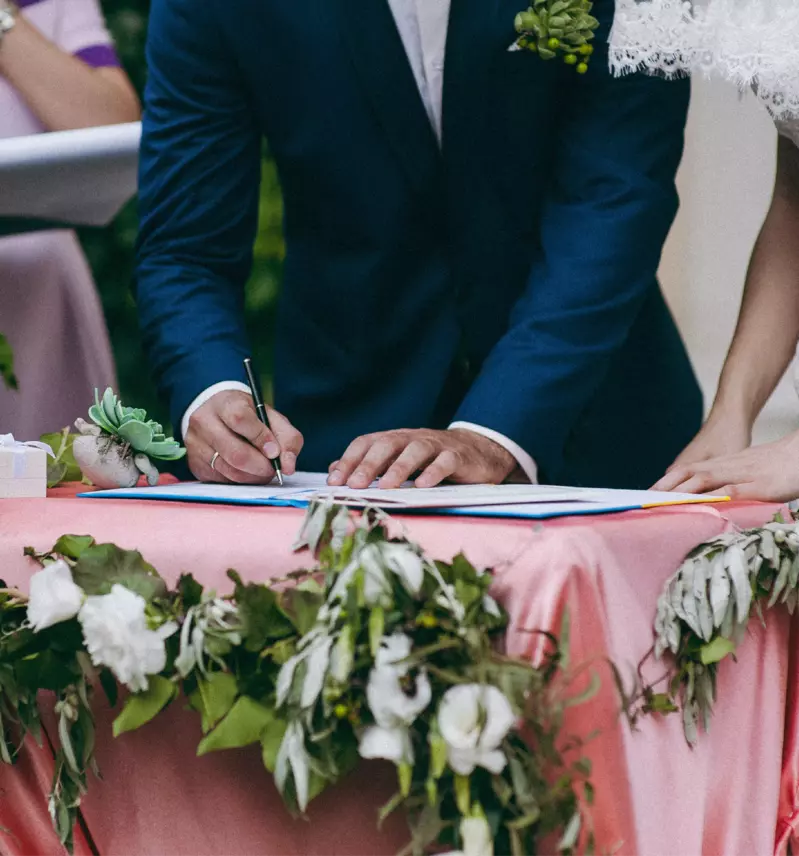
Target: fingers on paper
(349, 460)
(412, 459)
(443, 467)
(729, 475)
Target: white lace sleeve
(754, 43)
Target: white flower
(393, 708)
(476, 837)
(54, 597)
(117, 636)
(473, 720)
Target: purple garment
(49, 308)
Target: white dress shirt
(422, 25)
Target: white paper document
(480, 500)
(80, 178)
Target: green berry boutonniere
(554, 28)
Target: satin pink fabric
(655, 796)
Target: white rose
(117, 636)
(473, 720)
(54, 597)
(394, 709)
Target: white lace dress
(754, 43)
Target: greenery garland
(704, 612)
(375, 652)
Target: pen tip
(279, 478)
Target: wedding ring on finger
(213, 461)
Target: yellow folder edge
(698, 501)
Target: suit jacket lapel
(386, 77)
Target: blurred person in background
(58, 71)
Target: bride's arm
(768, 325)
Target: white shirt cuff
(207, 394)
(525, 462)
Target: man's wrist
(526, 469)
(206, 395)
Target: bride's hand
(227, 424)
(719, 437)
(767, 473)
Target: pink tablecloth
(655, 796)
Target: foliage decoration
(375, 652)
(704, 612)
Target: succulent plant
(558, 27)
(131, 425)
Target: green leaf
(47, 670)
(405, 775)
(587, 694)
(102, 566)
(64, 467)
(7, 364)
(262, 619)
(661, 703)
(110, 687)
(72, 546)
(244, 724)
(301, 606)
(377, 624)
(190, 591)
(716, 650)
(214, 697)
(141, 707)
(463, 794)
(271, 738)
(138, 434)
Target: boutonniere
(553, 28)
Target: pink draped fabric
(655, 796)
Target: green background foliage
(111, 250)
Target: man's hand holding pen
(227, 442)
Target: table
(655, 796)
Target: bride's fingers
(674, 478)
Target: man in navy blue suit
(472, 237)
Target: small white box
(23, 472)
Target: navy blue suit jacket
(506, 279)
